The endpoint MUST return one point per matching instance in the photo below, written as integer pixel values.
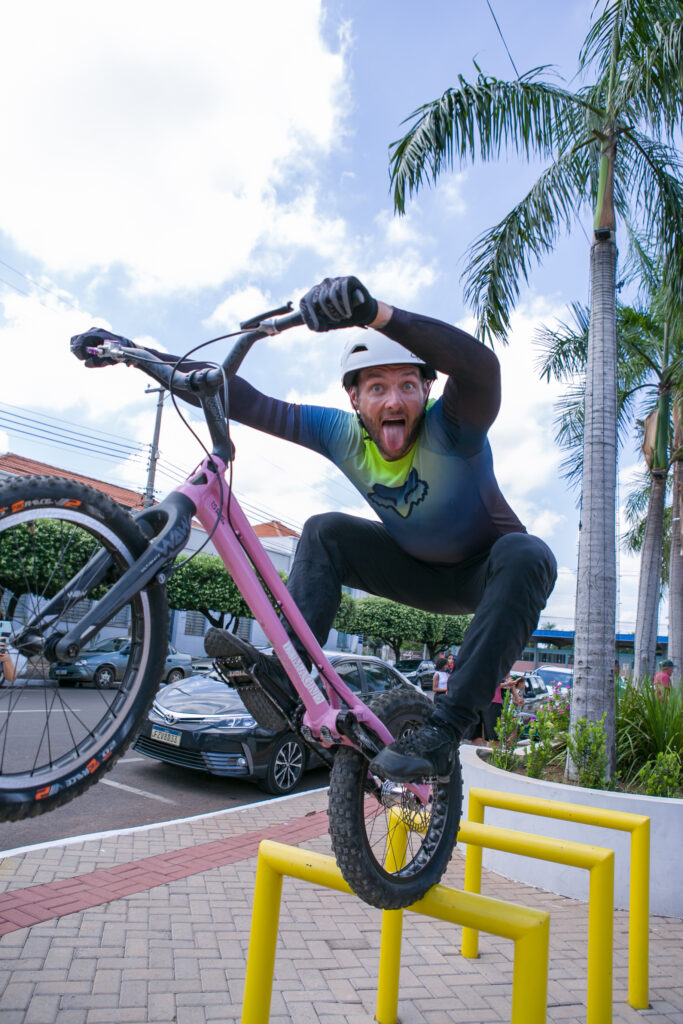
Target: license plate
(61, 671)
(166, 736)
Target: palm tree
(646, 376)
(609, 145)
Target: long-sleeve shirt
(440, 502)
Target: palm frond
(480, 119)
(651, 81)
(500, 257)
(563, 350)
(569, 424)
(651, 173)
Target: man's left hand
(338, 302)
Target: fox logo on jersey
(402, 500)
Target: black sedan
(201, 723)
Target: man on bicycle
(446, 540)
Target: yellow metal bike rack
(639, 887)
(529, 929)
(596, 859)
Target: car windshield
(407, 664)
(107, 646)
(555, 677)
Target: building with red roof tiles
(18, 465)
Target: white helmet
(375, 349)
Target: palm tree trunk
(675, 650)
(649, 584)
(594, 645)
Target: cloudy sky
(169, 169)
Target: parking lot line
(139, 792)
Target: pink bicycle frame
(244, 557)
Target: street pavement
(152, 925)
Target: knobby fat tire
(26, 502)
(359, 833)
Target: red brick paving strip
(22, 908)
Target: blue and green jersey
(440, 502)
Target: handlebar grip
(294, 319)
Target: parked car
(556, 677)
(104, 663)
(417, 670)
(201, 723)
(535, 691)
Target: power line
(500, 33)
(35, 284)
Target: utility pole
(154, 453)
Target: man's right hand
(338, 302)
(80, 343)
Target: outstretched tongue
(393, 435)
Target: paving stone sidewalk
(153, 926)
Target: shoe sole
(393, 766)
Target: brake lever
(255, 321)
(108, 350)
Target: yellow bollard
(529, 929)
(639, 882)
(386, 1011)
(596, 859)
(262, 943)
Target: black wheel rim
(67, 724)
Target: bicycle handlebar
(206, 381)
(198, 382)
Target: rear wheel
(372, 820)
(175, 675)
(54, 742)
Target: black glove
(338, 302)
(80, 343)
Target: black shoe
(243, 664)
(429, 751)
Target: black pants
(506, 588)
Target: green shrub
(540, 751)
(663, 776)
(503, 756)
(587, 749)
(647, 724)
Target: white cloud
(449, 194)
(400, 279)
(560, 606)
(232, 310)
(522, 438)
(130, 140)
(36, 359)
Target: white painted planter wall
(666, 836)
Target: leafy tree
(206, 586)
(609, 144)
(386, 622)
(442, 631)
(346, 620)
(648, 372)
(382, 621)
(39, 558)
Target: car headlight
(239, 722)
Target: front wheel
(56, 742)
(105, 676)
(372, 821)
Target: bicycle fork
(166, 526)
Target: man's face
(391, 401)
